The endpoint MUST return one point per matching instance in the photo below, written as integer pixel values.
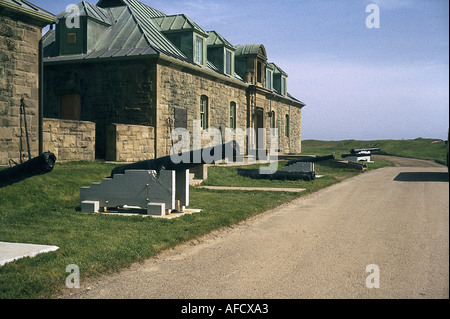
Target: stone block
(200, 172)
(182, 187)
(90, 207)
(156, 209)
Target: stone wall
(130, 143)
(182, 88)
(111, 92)
(145, 93)
(69, 140)
(291, 144)
(19, 44)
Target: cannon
(159, 186)
(301, 169)
(361, 150)
(36, 166)
(278, 175)
(189, 160)
(311, 160)
(360, 154)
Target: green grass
(45, 210)
(228, 176)
(429, 149)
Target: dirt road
(319, 246)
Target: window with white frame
(199, 50)
(228, 62)
(283, 85)
(269, 79)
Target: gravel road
(318, 246)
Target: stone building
(21, 26)
(137, 72)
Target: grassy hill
(423, 148)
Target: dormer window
(251, 63)
(283, 85)
(220, 53)
(79, 38)
(279, 79)
(269, 79)
(228, 62)
(258, 72)
(199, 56)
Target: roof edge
(44, 17)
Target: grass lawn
(45, 210)
(429, 149)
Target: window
(286, 127)
(228, 62)
(272, 120)
(199, 56)
(269, 79)
(258, 72)
(71, 38)
(233, 115)
(204, 112)
(283, 86)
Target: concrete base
(156, 209)
(91, 207)
(14, 251)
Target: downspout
(41, 98)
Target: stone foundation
(130, 143)
(69, 140)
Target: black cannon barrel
(39, 165)
(196, 158)
(311, 159)
(278, 175)
(368, 149)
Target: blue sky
(358, 83)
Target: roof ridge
(141, 29)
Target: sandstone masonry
(20, 32)
(69, 140)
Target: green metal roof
(135, 29)
(276, 68)
(131, 33)
(143, 15)
(215, 39)
(249, 49)
(176, 23)
(88, 10)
